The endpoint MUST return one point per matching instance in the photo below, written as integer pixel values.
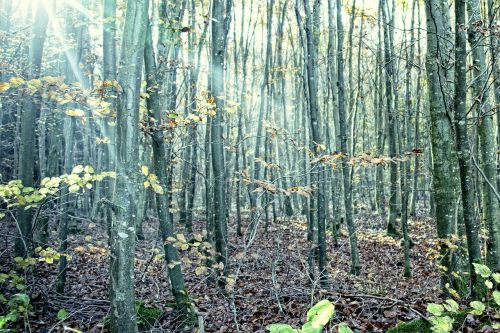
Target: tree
(122, 243)
(30, 108)
(445, 173)
(491, 204)
(342, 138)
(221, 15)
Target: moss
(422, 326)
(414, 326)
(146, 316)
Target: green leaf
(442, 324)
(309, 328)
(20, 299)
(321, 313)
(88, 169)
(77, 169)
(28, 189)
(62, 314)
(344, 328)
(496, 277)
(280, 328)
(488, 284)
(478, 308)
(451, 306)
(73, 188)
(482, 270)
(435, 309)
(11, 316)
(496, 296)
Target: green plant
(445, 316)
(18, 306)
(146, 316)
(317, 318)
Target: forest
(270, 166)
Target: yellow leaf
(88, 169)
(77, 169)
(75, 113)
(181, 238)
(200, 270)
(74, 188)
(170, 240)
(157, 188)
(4, 86)
(173, 264)
(49, 260)
(16, 81)
(145, 170)
(79, 249)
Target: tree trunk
(444, 159)
(30, 108)
(160, 165)
(491, 205)
(342, 137)
(462, 141)
(220, 23)
(122, 244)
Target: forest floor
(272, 284)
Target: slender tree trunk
(462, 141)
(491, 205)
(160, 165)
(30, 108)
(342, 137)
(444, 159)
(220, 22)
(122, 244)
(391, 127)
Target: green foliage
(451, 306)
(414, 326)
(443, 324)
(18, 306)
(496, 297)
(343, 328)
(81, 178)
(320, 314)
(477, 308)
(448, 316)
(486, 280)
(146, 316)
(62, 314)
(482, 270)
(317, 318)
(435, 309)
(281, 328)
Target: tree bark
(122, 244)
